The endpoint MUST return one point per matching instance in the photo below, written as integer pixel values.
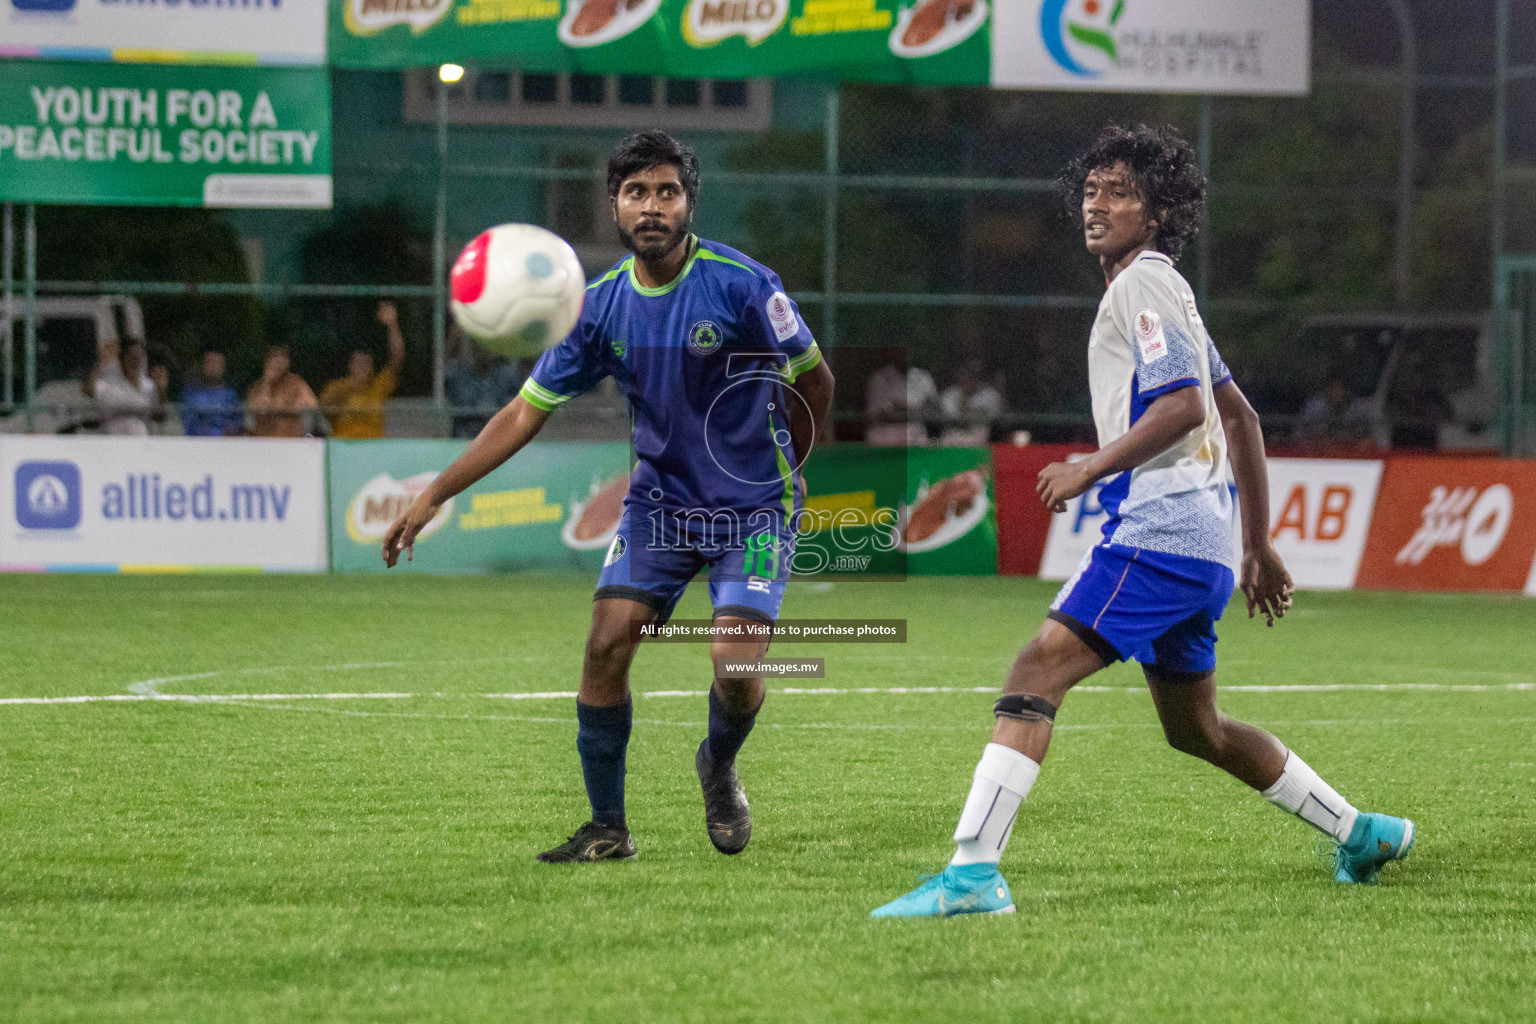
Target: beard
(654, 246)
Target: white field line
(969, 728)
(199, 698)
(227, 698)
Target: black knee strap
(1025, 707)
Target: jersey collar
(1153, 254)
(693, 255)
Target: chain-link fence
(920, 219)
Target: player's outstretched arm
(1266, 584)
(510, 429)
(1168, 418)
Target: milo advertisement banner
(938, 41)
(556, 505)
(948, 524)
(164, 135)
(1237, 46)
(887, 512)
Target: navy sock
(727, 732)
(602, 734)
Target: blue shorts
(654, 555)
(1159, 609)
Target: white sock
(1003, 778)
(1303, 793)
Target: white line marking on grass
(199, 698)
(146, 690)
(151, 687)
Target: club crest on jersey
(704, 337)
(782, 315)
(1149, 336)
(615, 551)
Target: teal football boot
(961, 889)
(1375, 840)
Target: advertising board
(127, 504)
(1180, 46)
(1239, 46)
(185, 31)
(556, 505)
(164, 135)
(1452, 524)
(1319, 516)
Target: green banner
(893, 511)
(948, 522)
(157, 135)
(873, 40)
(556, 505)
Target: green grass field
(372, 859)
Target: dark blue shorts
(655, 554)
(1159, 609)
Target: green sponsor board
(848, 523)
(892, 511)
(870, 40)
(157, 135)
(553, 506)
(949, 525)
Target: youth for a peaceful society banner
(556, 505)
(191, 31)
(1236, 46)
(164, 135)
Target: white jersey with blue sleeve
(1147, 341)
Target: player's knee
(609, 649)
(1041, 669)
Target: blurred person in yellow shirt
(355, 403)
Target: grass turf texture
(372, 860)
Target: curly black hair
(1166, 173)
(640, 151)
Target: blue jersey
(703, 362)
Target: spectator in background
(1334, 416)
(209, 406)
(128, 393)
(280, 403)
(355, 403)
(969, 407)
(477, 380)
(896, 405)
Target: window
(730, 94)
(493, 88)
(588, 89)
(636, 90)
(682, 92)
(541, 88)
(491, 98)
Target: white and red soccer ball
(517, 289)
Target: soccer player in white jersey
(1168, 416)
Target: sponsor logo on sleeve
(1149, 336)
(782, 315)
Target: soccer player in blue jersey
(1169, 416)
(725, 387)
